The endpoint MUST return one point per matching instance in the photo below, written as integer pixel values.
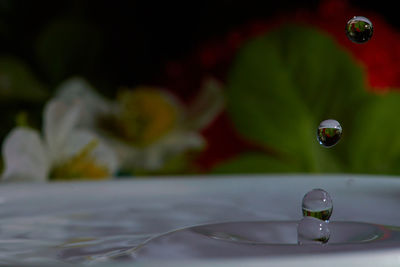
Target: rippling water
(97, 234)
(91, 223)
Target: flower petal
(127, 155)
(25, 156)
(207, 105)
(59, 120)
(171, 145)
(102, 154)
(78, 89)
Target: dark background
(128, 43)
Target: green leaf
(67, 47)
(207, 105)
(18, 83)
(262, 163)
(255, 163)
(283, 84)
(326, 159)
(375, 145)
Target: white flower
(64, 151)
(146, 126)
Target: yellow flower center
(146, 115)
(80, 166)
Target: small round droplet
(312, 231)
(359, 29)
(318, 204)
(329, 133)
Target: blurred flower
(65, 152)
(147, 126)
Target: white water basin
(93, 222)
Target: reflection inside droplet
(312, 231)
(359, 29)
(317, 203)
(329, 133)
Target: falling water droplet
(318, 204)
(329, 133)
(359, 29)
(311, 230)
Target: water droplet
(318, 204)
(359, 29)
(329, 133)
(311, 230)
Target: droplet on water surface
(359, 29)
(318, 204)
(311, 230)
(329, 133)
(317, 209)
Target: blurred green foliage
(20, 92)
(68, 46)
(283, 84)
(18, 83)
(375, 145)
